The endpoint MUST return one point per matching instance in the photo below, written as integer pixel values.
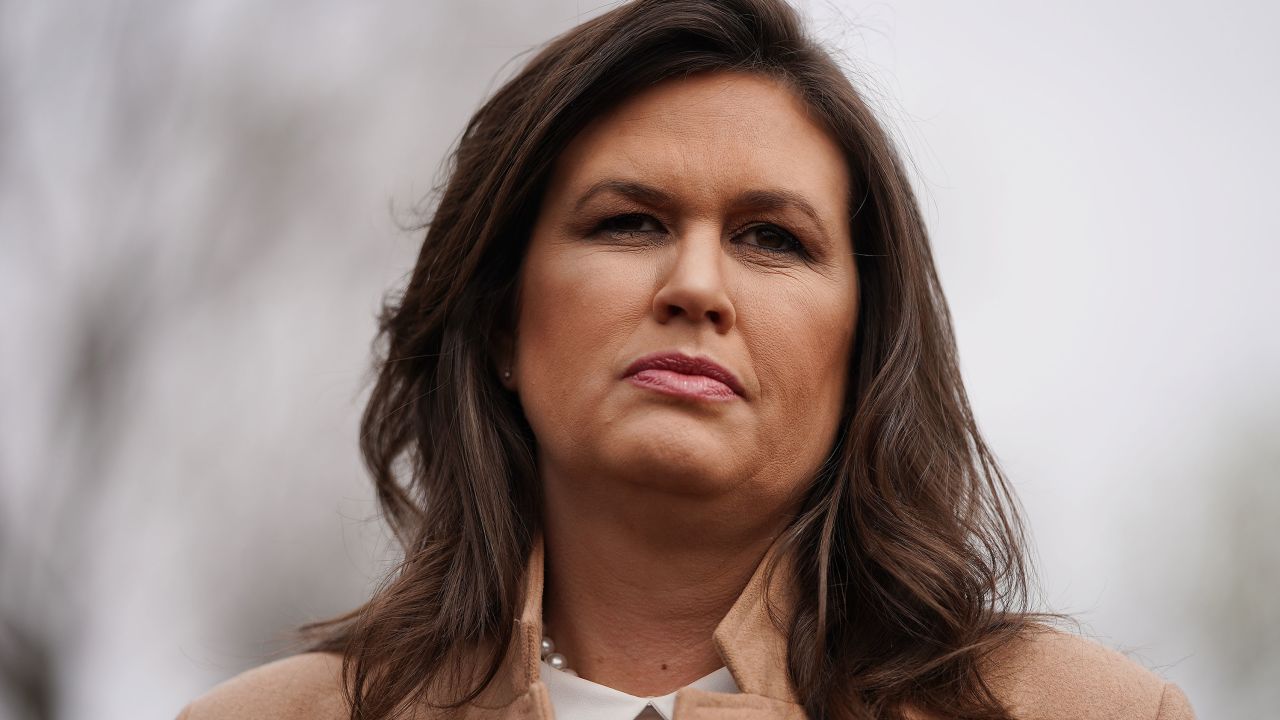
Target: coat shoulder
(1048, 674)
(308, 685)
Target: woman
(672, 399)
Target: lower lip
(696, 387)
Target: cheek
(576, 309)
(799, 338)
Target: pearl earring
(506, 374)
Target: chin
(676, 459)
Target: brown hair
(909, 552)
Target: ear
(502, 348)
(502, 338)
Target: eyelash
(794, 245)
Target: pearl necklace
(553, 658)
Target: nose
(693, 287)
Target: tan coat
(1046, 676)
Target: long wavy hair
(909, 552)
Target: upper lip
(686, 365)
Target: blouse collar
(576, 698)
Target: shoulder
(1047, 674)
(302, 686)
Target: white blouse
(575, 698)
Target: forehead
(708, 136)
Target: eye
(629, 225)
(771, 238)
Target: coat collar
(751, 644)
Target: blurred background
(201, 206)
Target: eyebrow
(771, 199)
(632, 190)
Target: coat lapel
(752, 641)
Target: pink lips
(678, 374)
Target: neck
(635, 586)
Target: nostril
(714, 317)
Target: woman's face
(689, 297)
